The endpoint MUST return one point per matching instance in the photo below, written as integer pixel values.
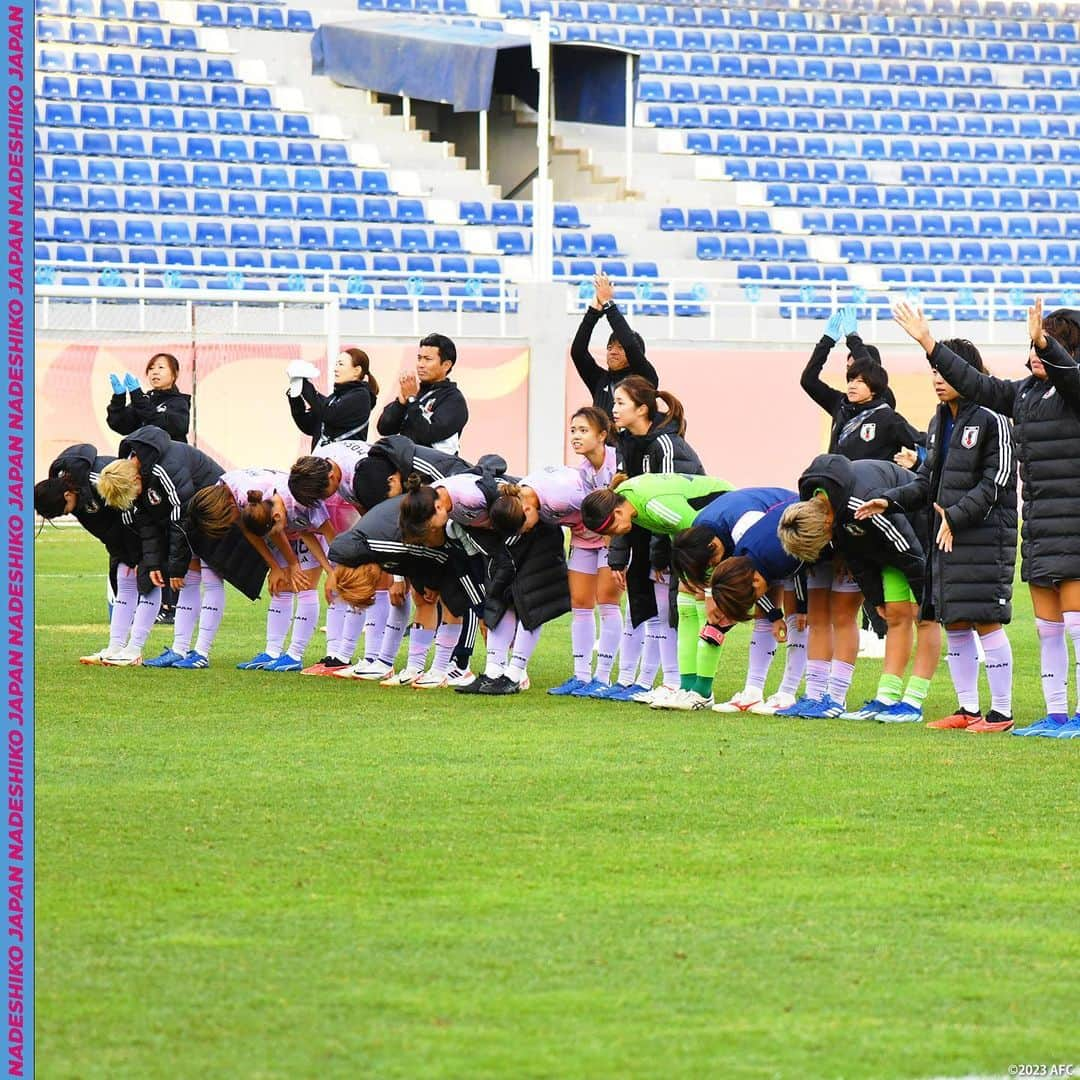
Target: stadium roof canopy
(463, 66)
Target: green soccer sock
(890, 689)
(687, 636)
(916, 692)
(708, 655)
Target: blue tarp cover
(455, 64)
(465, 65)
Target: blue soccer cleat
(827, 709)
(1050, 725)
(257, 663)
(593, 686)
(284, 663)
(805, 706)
(900, 713)
(867, 711)
(168, 658)
(1071, 730)
(567, 688)
(626, 693)
(192, 661)
(610, 693)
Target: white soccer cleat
(458, 677)
(94, 659)
(666, 697)
(405, 677)
(686, 701)
(657, 693)
(773, 704)
(125, 657)
(430, 680)
(743, 701)
(375, 671)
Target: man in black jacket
(625, 349)
(429, 408)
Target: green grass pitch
(251, 875)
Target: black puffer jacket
(974, 480)
(532, 579)
(81, 464)
(342, 414)
(171, 473)
(1046, 429)
(169, 410)
(889, 539)
(662, 450)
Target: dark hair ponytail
(507, 512)
(417, 508)
(257, 516)
(361, 360)
(642, 392)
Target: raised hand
(117, 384)
(913, 322)
(605, 291)
(850, 318)
(1035, 324)
(409, 386)
(834, 328)
(130, 382)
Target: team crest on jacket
(153, 497)
(867, 432)
(969, 438)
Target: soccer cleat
(459, 677)
(475, 686)
(612, 692)
(659, 694)
(192, 661)
(589, 689)
(406, 677)
(627, 693)
(373, 670)
(501, 686)
(430, 680)
(1048, 725)
(126, 657)
(868, 711)
(687, 701)
(994, 721)
(956, 722)
(1070, 730)
(743, 701)
(567, 688)
(805, 706)
(257, 663)
(827, 709)
(94, 659)
(167, 658)
(900, 713)
(286, 663)
(773, 704)
(166, 616)
(326, 666)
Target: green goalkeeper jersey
(667, 503)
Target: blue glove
(130, 382)
(834, 325)
(117, 385)
(850, 324)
